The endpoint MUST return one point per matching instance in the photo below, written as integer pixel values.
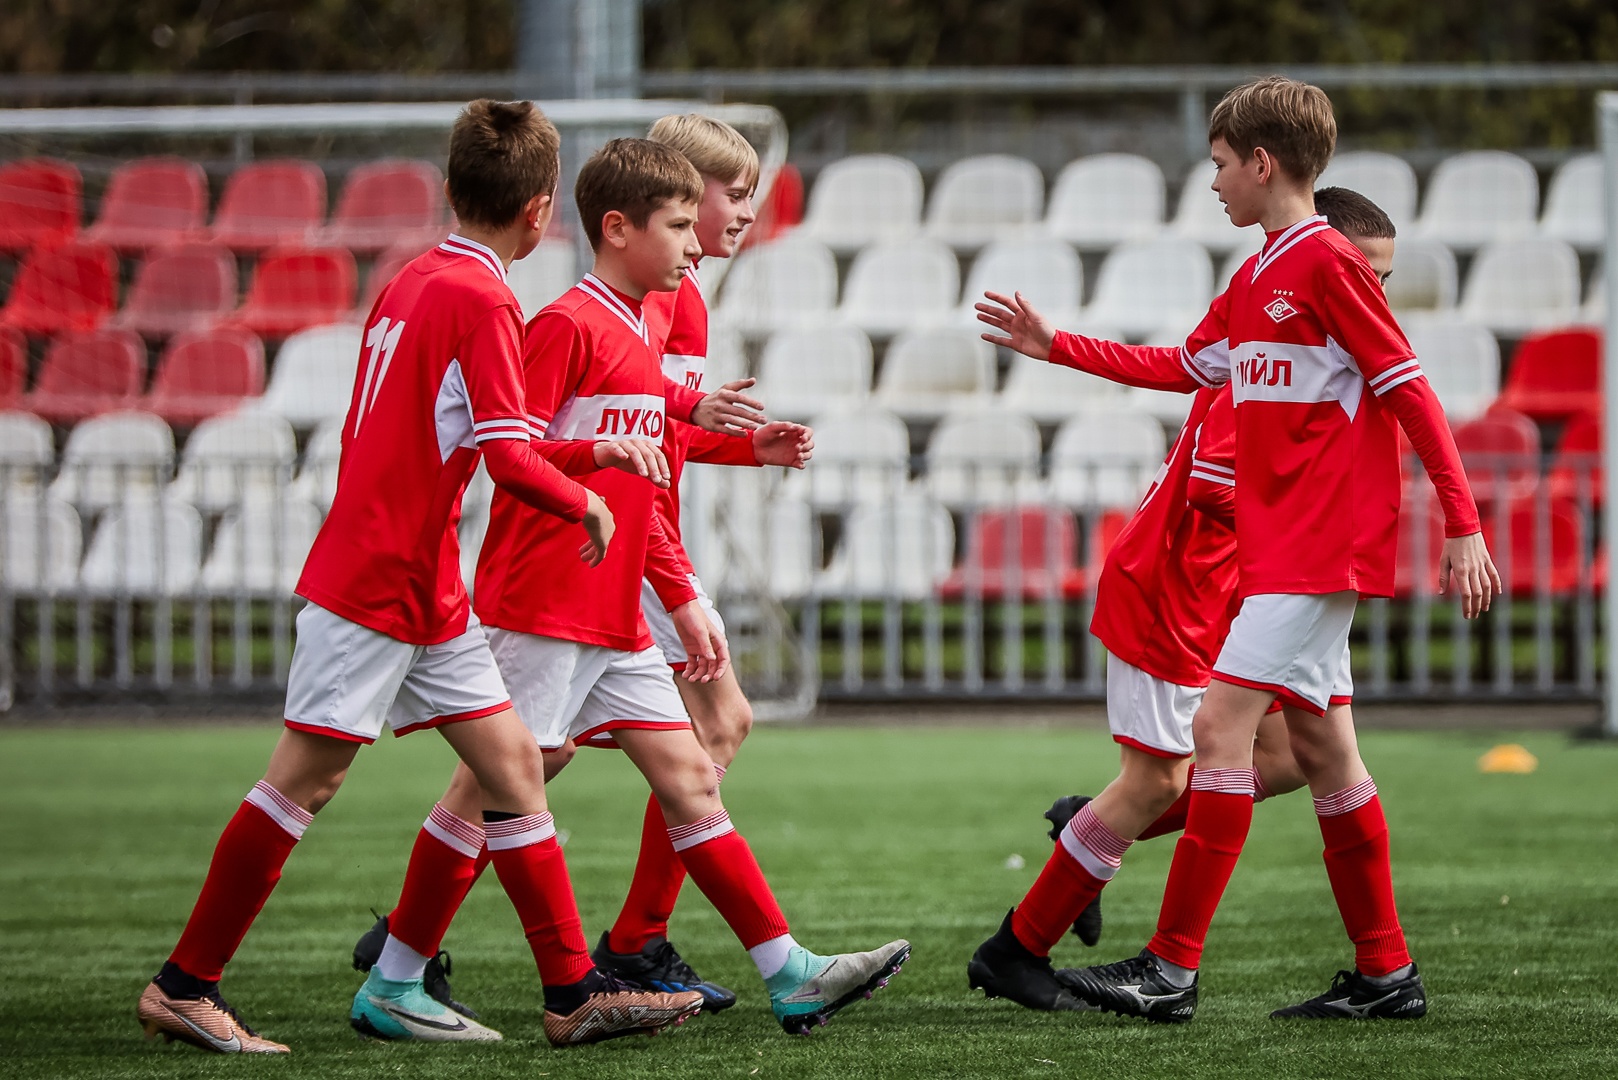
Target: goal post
(1607, 121)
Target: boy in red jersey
(1162, 611)
(387, 638)
(1319, 372)
(637, 948)
(572, 644)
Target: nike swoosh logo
(231, 1045)
(812, 989)
(411, 1018)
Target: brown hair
(501, 154)
(1352, 214)
(634, 177)
(716, 149)
(1290, 119)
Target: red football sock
(529, 862)
(246, 865)
(1356, 835)
(722, 865)
(1216, 827)
(1085, 859)
(1171, 820)
(448, 856)
(653, 890)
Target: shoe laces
(1122, 969)
(612, 984)
(223, 1006)
(672, 965)
(1342, 982)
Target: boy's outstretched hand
(1465, 562)
(785, 444)
(1021, 327)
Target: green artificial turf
(1508, 887)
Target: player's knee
(322, 792)
(735, 723)
(1311, 755)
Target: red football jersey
(439, 375)
(1164, 600)
(1318, 367)
(678, 321)
(590, 374)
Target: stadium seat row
(1100, 201)
(152, 202)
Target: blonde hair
(715, 148)
(634, 177)
(501, 154)
(1292, 120)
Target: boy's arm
(1203, 361)
(667, 568)
(1212, 487)
(779, 442)
(490, 367)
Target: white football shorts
(662, 626)
(1150, 714)
(1294, 645)
(349, 681)
(567, 690)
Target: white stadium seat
(807, 372)
(1573, 206)
(864, 199)
(979, 199)
(1043, 269)
(1106, 199)
(231, 458)
(926, 373)
(1233, 261)
(27, 452)
(786, 558)
(861, 456)
(1461, 360)
(1479, 197)
(317, 477)
(1595, 299)
(1200, 215)
(313, 378)
(261, 547)
(988, 458)
(1151, 284)
(1518, 286)
(549, 271)
(790, 282)
(900, 284)
(43, 542)
(1424, 276)
(901, 549)
(1106, 459)
(727, 359)
(1050, 392)
(1386, 180)
(145, 547)
(114, 457)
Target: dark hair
(1290, 119)
(1352, 214)
(634, 177)
(501, 154)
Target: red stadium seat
(269, 204)
(386, 203)
(41, 203)
(385, 269)
(178, 289)
(152, 202)
(297, 288)
(781, 211)
(1501, 453)
(1519, 562)
(13, 369)
(1576, 473)
(71, 287)
(205, 373)
(1046, 558)
(1555, 375)
(87, 373)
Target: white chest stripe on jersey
(1281, 371)
(610, 417)
(452, 412)
(602, 294)
(1210, 365)
(684, 370)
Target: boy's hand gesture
(638, 457)
(707, 653)
(1465, 560)
(785, 444)
(1021, 327)
(598, 526)
(728, 411)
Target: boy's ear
(615, 228)
(533, 208)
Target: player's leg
(805, 989)
(1385, 983)
(1275, 768)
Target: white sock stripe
(519, 832)
(1227, 781)
(281, 810)
(453, 832)
(1348, 800)
(1089, 830)
(1260, 791)
(719, 770)
(700, 832)
(1094, 865)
